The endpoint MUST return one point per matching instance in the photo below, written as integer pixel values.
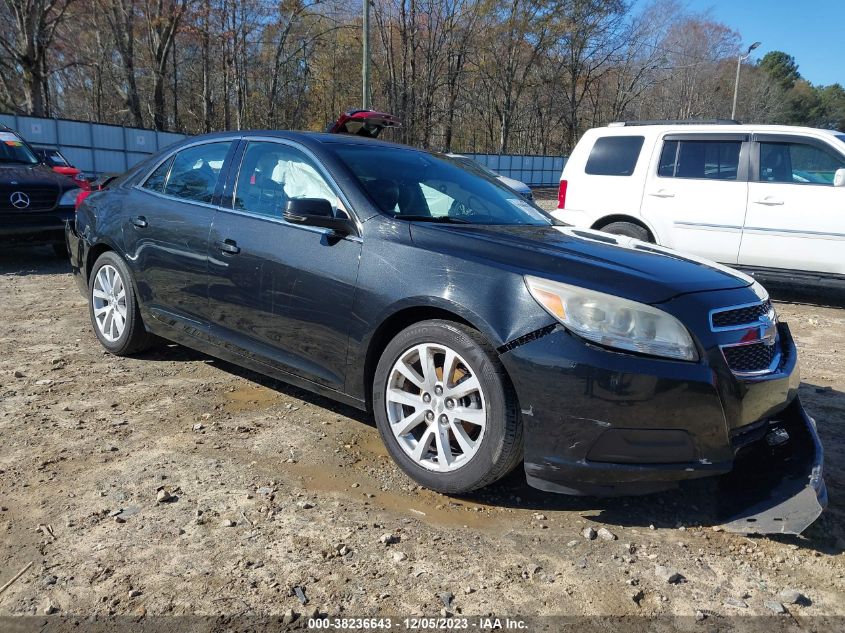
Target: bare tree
(27, 44)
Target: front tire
(628, 229)
(113, 307)
(445, 408)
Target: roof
(306, 138)
(727, 128)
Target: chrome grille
(740, 316)
(752, 358)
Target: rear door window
(196, 170)
(614, 156)
(708, 160)
(157, 179)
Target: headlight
(613, 321)
(68, 198)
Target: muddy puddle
(355, 484)
(252, 397)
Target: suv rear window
(614, 156)
(710, 160)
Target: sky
(809, 30)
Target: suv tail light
(561, 195)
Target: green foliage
(781, 68)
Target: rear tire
(452, 430)
(113, 307)
(628, 229)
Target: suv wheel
(628, 229)
(113, 307)
(445, 408)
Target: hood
(599, 261)
(13, 176)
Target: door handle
(229, 247)
(140, 222)
(662, 193)
(769, 201)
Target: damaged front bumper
(603, 423)
(777, 487)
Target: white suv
(767, 199)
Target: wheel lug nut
(438, 390)
(450, 404)
(444, 419)
(426, 398)
(429, 415)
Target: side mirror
(317, 212)
(839, 177)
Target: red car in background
(53, 158)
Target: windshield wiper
(443, 219)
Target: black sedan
(478, 331)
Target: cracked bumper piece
(603, 423)
(777, 488)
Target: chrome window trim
(146, 175)
(323, 172)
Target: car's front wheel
(445, 409)
(113, 307)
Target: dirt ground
(276, 491)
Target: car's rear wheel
(113, 307)
(628, 229)
(445, 409)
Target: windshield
(14, 150)
(54, 158)
(415, 185)
(471, 164)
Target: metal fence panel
(39, 130)
(81, 157)
(536, 171)
(110, 161)
(73, 134)
(97, 147)
(143, 141)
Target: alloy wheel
(436, 407)
(108, 297)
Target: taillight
(561, 195)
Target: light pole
(739, 61)
(365, 66)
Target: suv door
(696, 191)
(166, 227)
(282, 293)
(796, 217)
